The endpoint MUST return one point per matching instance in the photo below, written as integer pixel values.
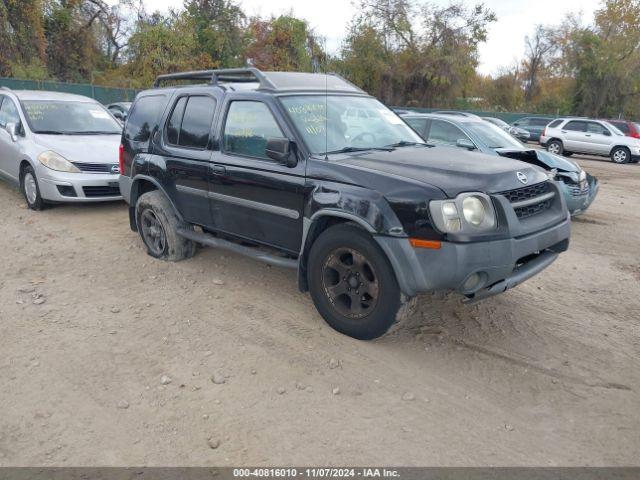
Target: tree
(219, 26)
(283, 43)
(22, 38)
(538, 49)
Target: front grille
(101, 191)
(528, 193)
(96, 167)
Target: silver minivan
(58, 147)
(566, 136)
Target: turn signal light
(432, 244)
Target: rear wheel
(352, 284)
(621, 155)
(556, 147)
(30, 189)
(158, 226)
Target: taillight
(121, 159)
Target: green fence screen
(104, 95)
(508, 117)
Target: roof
(254, 79)
(52, 96)
(443, 116)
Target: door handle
(219, 170)
(587, 134)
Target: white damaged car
(58, 147)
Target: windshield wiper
(404, 143)
(50, 132)
(94, 132)
(357, 149)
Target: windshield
(69, 118)
(351, 123)
(492, 136)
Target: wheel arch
(314, 226)
(142, 184)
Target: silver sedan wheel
(30, 188)
(554, 148)
(620, 156)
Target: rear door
(10, 151)
(252, 196)
(573, 136)
(186, 151)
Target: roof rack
(215, 77)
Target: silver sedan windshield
(69, 118)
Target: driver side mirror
(606, 133)
(282, 150)
(13, 130)
(119, 115)
(465, 143)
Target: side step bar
(211, 241)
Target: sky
(505, 42)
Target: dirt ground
(107, 356)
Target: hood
(541, 158)
(82, 148)
(453, 170)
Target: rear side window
(554, 124)
(143, 118)
(539, 122)
(575, 126)
(196, 122)
(248, 126)
(175, 121)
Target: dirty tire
(620, 155)
(555, 146)
(158, 225)
(30, 189)
(335, 258)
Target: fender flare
(133, 199)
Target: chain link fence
(104, 95)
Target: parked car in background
(630, 129)
(456, 113)
(262, 163)
(577, 186)
(120, 110)
(566, 136)
(533, 125)
(58, 147)
(517, 132)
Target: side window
(8, 112)
(540, 122)
(248, 126)
(417, 124)
(196, 122)
(143, 117)
(576, 126)
(175, 121)
(444, 133)
(596, 128)
(522, 121)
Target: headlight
(57, 162)
(468, 213)
(583, 176)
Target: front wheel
(158, 226)
(555, 147)
(621, 155)
(352, 283)
(30, 189)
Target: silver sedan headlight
(467, 213)
(57, 162)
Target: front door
(10, 152)
(599, 138)
(252, 196)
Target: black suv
(307, 171)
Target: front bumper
(501, 264)
(77, 187)
(578, 204)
